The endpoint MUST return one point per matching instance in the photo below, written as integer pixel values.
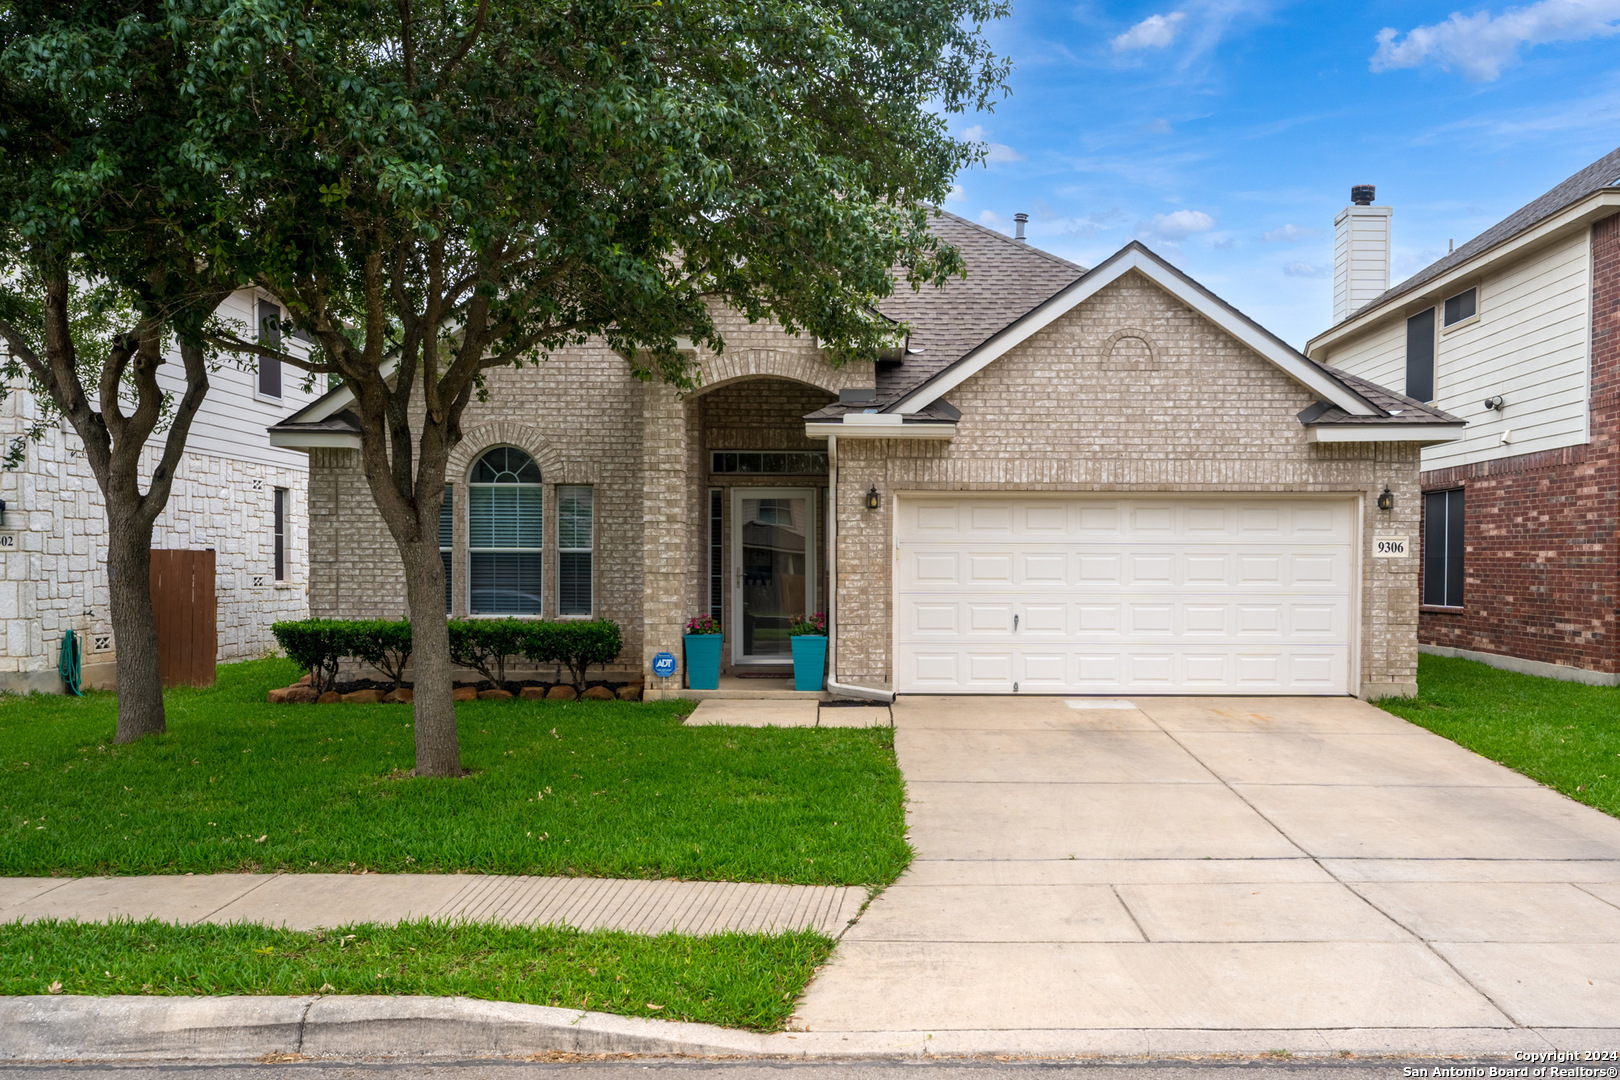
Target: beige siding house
(1068, 481)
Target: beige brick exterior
(1130, 392)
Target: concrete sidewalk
(309, 901)
(1303, 866)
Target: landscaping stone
(305, 681)
(277, 696)
(301, 695)
(561, 693)
(494, 695)
(331, 697)
(404, 695)
(598, 693)
(630, 693)
(364, 697)
(533, 693)
(465, 693)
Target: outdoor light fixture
(872, 498)
(1386, 501)
(2, 512)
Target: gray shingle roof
(1397, 408)
(1601, 174)
(1006, 279)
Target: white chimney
(1360, 252)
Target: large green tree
(465, 185)
(113, 258)
(441, 188)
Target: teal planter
(703, 661)
(809, 661)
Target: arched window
(503, 534)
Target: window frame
(278, 535)
(1416, 333)
(271, 336)
(1446, 323)
(1451, 524)
(538, 552)
(589, 551)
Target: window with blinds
(447, 537)
(575, 533)
(504, 565)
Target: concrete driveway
(1195, 874)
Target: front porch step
(738, 693)
(741, 689)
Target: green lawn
(591, 788)
(739, 980)
(1564, 734)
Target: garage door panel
(1204, 595)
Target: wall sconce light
(1386, 500)
(2, 512)
(872, 498)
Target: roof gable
(1136, 256)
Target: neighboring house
(233, 492)
(1516, 331)
(1069, 481)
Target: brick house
(1518, 331)
(1066, 481)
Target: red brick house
(1518, 332)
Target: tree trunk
(129, 590)
(438, 750)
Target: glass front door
(773, 560)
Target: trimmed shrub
(574, 645)
(488, 645)
(384, 644)
(316, 645)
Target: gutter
(866, 693)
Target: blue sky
(1225, 134)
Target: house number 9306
(1389, 547)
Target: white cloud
(1482, 44)
(1223, 243)
(1153, 32)
(997, 153)
(992, 220)
(1177, 225)
(1306, 270)
(956, 194)
(1161, 126)
(1289, 234)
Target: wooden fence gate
(183, 605)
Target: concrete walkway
(309, 901)
(1193, 867)
(750, 713)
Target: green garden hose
(68, 666)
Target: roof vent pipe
(1363, 194)
(1020, 219)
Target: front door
(773, 565)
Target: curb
(39, 1028)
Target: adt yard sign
(664, 665)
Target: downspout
(833, 685)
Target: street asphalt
(1244, 1069)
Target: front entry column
(665, 530)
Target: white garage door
(1100, 595)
